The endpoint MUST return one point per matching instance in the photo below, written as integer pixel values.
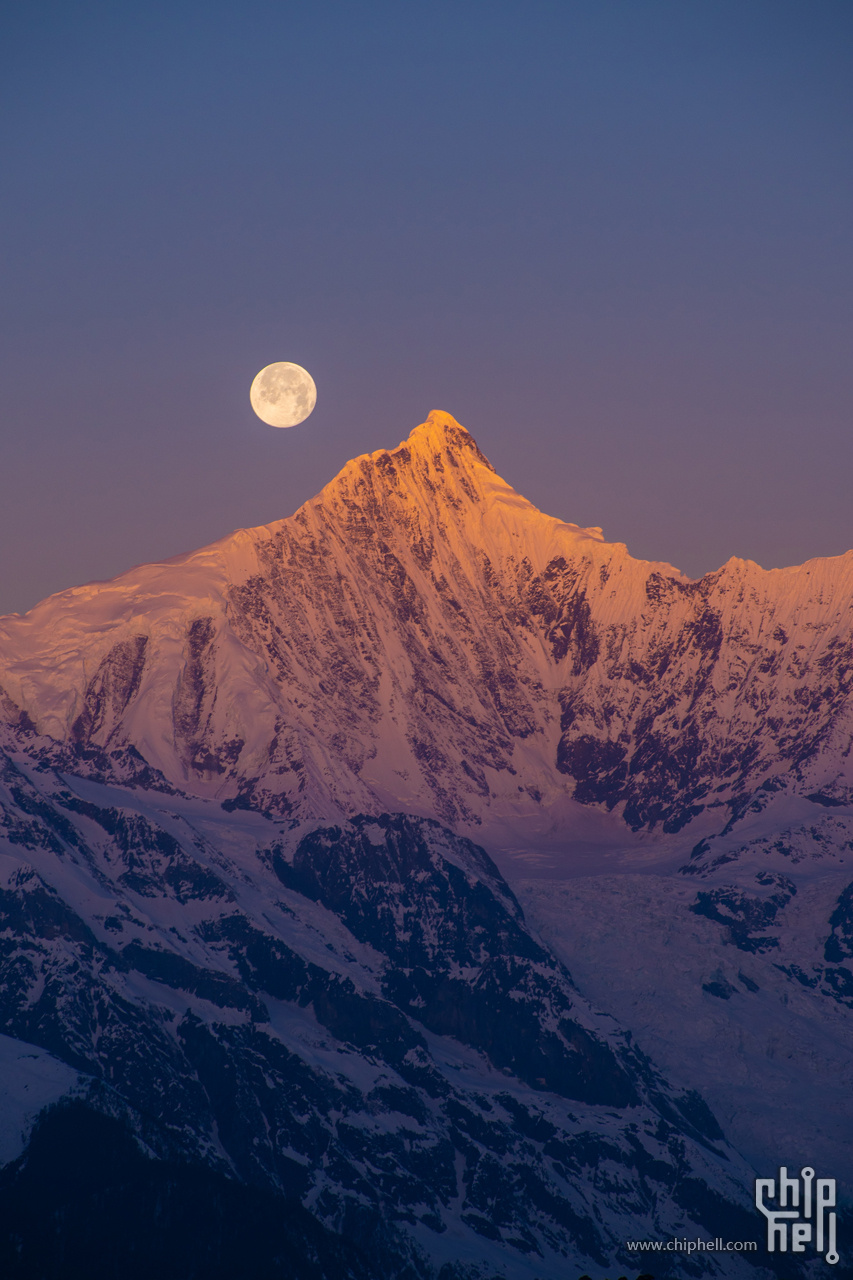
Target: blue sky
(612, 238)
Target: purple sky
(613, 239)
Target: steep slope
(420, 637)
(353, 1019)
(231, 923)
(736, 978)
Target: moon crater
(283, 394)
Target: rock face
(352, 1019)
(250, 952)
(420, 638)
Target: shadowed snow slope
(351, 1020)
(420, 637)
(245, 936)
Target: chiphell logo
(804, 1205)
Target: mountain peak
(440, 438)
(436, 477)
(420, 637)
(438, 488)
(442, 432)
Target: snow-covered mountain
(251, 938)
(353, 1020)
(419, 637)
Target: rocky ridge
(246, 944)
(419, 637)
(355, 1020)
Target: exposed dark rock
(300, 1045)
(85, 1203)
(111, 689)
(746, 918)
(839, 944)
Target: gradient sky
(612, 237)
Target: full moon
(283, 394)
